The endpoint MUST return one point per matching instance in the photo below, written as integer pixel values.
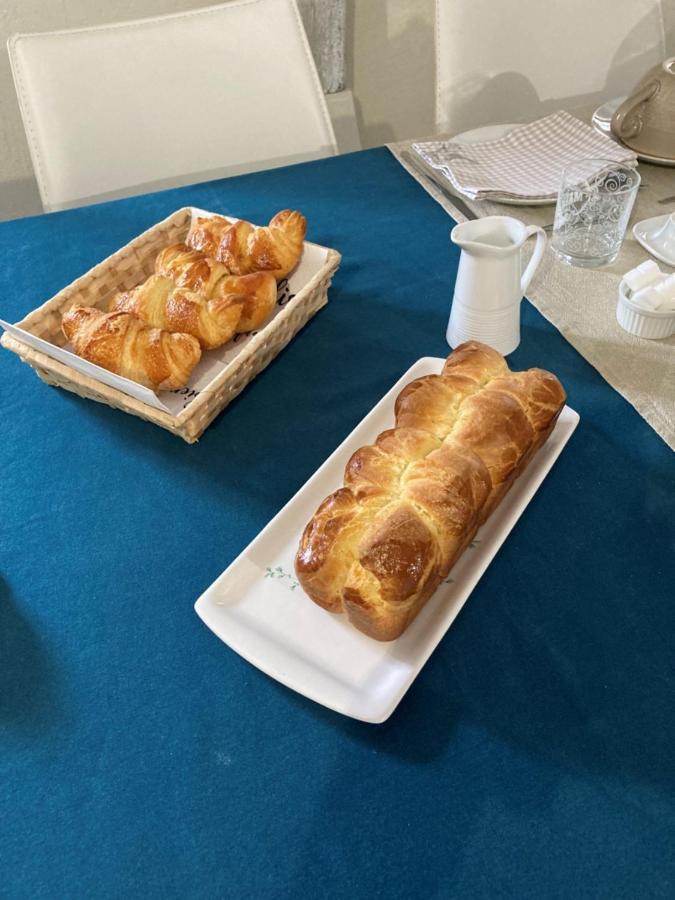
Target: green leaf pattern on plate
(280, 573)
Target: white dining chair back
(134, 106)
(517, 60)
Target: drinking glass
(594, 204)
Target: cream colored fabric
(518, 60)
(581, 303)
(175, 99)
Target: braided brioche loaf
(378, 548)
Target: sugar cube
(643, 275)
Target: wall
(391, 68)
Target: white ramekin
(644, 323)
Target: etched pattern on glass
(592, 213)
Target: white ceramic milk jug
(489, 286)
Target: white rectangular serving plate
(259, 610)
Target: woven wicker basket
(123, 270)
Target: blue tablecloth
(535, 754)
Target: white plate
(602, 119)
(493, 133)
(644, 232)
(258, 609)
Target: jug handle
(536, 256)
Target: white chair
(517, 60)
(142, 105)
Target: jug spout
(491, 236)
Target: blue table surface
(535, 753)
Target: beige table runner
(581, 303)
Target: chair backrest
(171, 100)
(517, 60)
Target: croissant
(379, 546)
(190, 269)
(258, 292)
(197, 272)
(124, 345)
(206, 233)
(245, 248)
(160, 303)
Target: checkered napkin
(526, 164)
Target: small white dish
(259, 610)
(602, 120)
(494, 133)
(657, 236)
(644, 323)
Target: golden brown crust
(230, 304)
(494, 425)
(372, 469)
(399, 551)
(195, 271)
(276, 248)
(258, 292)
(244, 248)
(159, 303)
(190, 269)
(206, 233)
(321, 545)
(476, 361)
(122, 344)
(431, 403)
(448, 487)
(378, 548)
